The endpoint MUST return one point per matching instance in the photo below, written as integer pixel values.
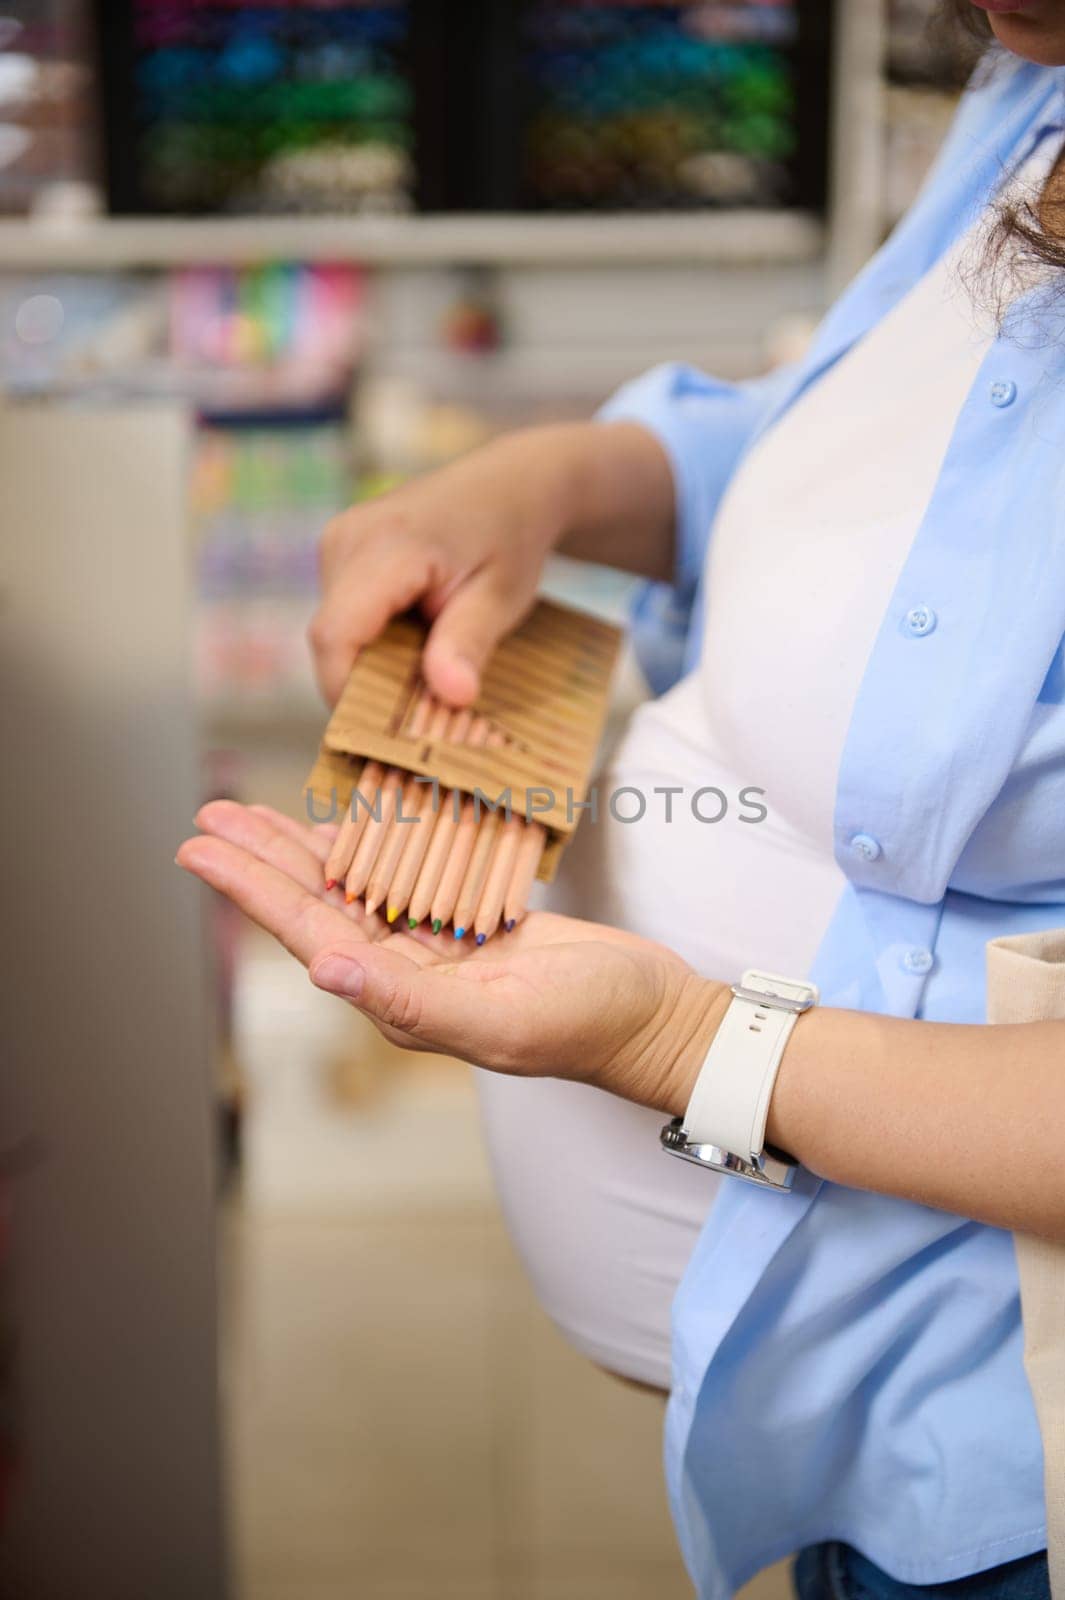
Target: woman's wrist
(692, 1029)
(597, 491)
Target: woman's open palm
(556, 997)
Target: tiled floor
(404, 1422)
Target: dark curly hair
(966, 19)
(1029, 232)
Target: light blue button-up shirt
(847, 1365)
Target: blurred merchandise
(219, 106)
(266, 338)
(920, 48)
(260, 498)
(404, 426)
(916, 120)
(334, 106)
(924, 73)
(47, 140)
(83, 335)
(660, 105)
(225, 340)
(266, 357)
(472, 321)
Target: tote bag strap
(1026, 983)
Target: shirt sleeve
(704, 424)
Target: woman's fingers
(568, 1007)
(471, 622)
(366, 581)
(575, 1006)
(295, 850)
(305, 923)
(318, 839)
(252, 868)
(261, 836)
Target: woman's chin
(1026, 33)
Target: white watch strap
(730, 1102)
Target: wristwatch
(724, 1125)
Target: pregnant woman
(872, 550)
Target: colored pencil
(456, 862)
(378, 823)
(526, 866)
(373, 835)
(404, 818)
(425, 897)
(405, 823)
(418, 833)
(339, 859)
(504, 854)
(473, 880)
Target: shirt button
(920, 620)
(1003, 393)
(917, 961)
(864, 845)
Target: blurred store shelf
(721, 237)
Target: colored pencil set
(431, 854)
(447, 817)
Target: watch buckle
(769, 1171)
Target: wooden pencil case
(545, 692)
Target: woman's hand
(556, 998)
(467, 544)
(564, 998)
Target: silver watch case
(769, 1171)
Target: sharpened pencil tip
(437, 924)
(481, 937)
(412, 922)
(509, 925)
(330, 883)
(459, 932)
(392, 913)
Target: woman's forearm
(621, 497)
(965, 1118)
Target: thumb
(470, 625)
(433, 1006)
(356, 607)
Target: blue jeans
(835, 1571)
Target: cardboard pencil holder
(545, 693)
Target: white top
(806, 551)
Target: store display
(291, 106)
(47, 114)
(509, 105)
(260, 499)
(275, 338)
(80, 335)
(660, 105)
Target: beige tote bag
(1026, 983)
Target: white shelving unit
(856, 176)
(109, 243)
